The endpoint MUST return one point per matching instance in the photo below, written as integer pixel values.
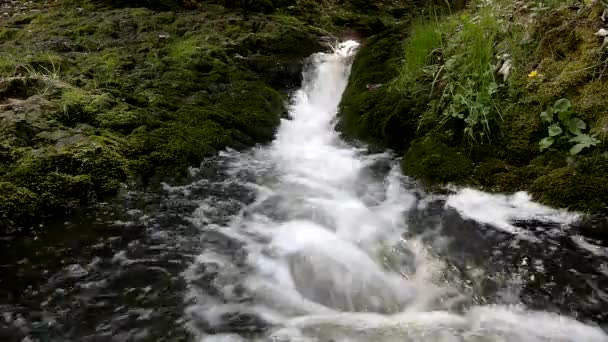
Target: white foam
(324, 245)
(501, 210)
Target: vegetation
(465, 105)
(570, 129)
(95, 94)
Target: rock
(75, 271)
(505, 69)
(21, 120)
(602, 33)
(373, 87)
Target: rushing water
(308, 239)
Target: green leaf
(564, 117)
(585, 139)
(547, 116)
(492, 88)
(562, 105)
(576, 149)
(582, 141)
(545, 143)
(555, 130)
(575, 126)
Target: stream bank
(461, 96)
(96, 96)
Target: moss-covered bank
(95, 94)
(465, 105)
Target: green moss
(371, 108)
(521, 129)
(64, 191)
(154, 4)
(568, 188)
(98, 162)
(146, 91)
(591, 107)
(122, 118)
(17, 204)
(432, 159)
(581, 185)
(8, 33)
(78, 107)
(487, 171)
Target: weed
(456, 53)
(566, 128)
(425, 39)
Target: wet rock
(242, 323)
(76, 271)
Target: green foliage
(570, 127)
(455, 55)
(419, 60)
(471, 86)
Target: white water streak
(324, 242)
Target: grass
(426, 37)
(469, 72)
(454, 57)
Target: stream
(308, 238)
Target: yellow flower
(533, 74)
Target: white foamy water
(319, 254)
(500, 211)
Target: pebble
(76, 271)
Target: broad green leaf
(562, 105)
(585, 139)
(564, 116)
(547, 116)
(575, 126)
(576, 149)
(555, 130)
(545, 143)
(582, 140)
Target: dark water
(113, 272)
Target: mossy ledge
(553, 54)
(95, 94)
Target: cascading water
(307, 239)
(320, 253)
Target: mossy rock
(96, 165)
(487, 171)
(521, 130)
(153, 4)
(365, 25)
(17, 204)
(22, 120)
(567, 188)
(590, 106)
(141, 88)
(370, 108)
(432, 159)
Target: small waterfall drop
(320, 253)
